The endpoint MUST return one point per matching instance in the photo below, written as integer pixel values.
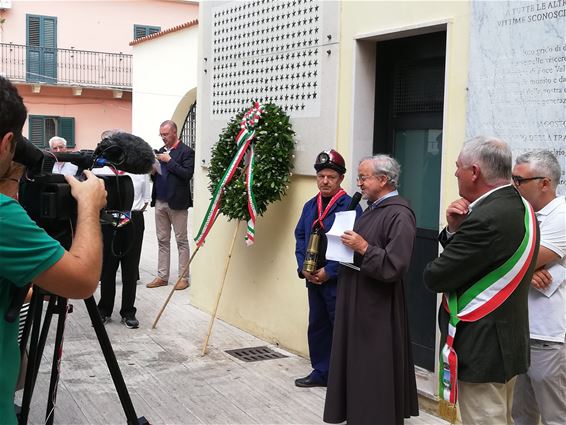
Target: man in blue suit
(318, 213)
(171, 197)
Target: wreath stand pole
(205, 345)
(185, 271)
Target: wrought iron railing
(65, 66)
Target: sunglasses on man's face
(518, 180)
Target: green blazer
(496, 347)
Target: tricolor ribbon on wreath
(478, 301)
(244, 141)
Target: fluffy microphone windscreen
(127, 152)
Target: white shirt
(142, 187)
(485, 195)
(547, 315)
(65, 168)
(142, 190)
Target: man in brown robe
(372, 375)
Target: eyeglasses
(364, 178)
(518, 180)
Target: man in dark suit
(490, 249)
(171, 197)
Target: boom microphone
(355, 201)
(126, 152)
(83, 159)
(122, 151)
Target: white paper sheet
(558, 274)
(336, 250)
(157, 167)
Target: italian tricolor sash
(478, 301)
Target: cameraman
(29, 254)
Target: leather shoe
(156, 283)
(131, 322)
(308, 382)
(182, 284)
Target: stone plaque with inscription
(517, 75)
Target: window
(144, 30)
(41, 49)
(42, 128)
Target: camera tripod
(39, 331)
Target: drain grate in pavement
(255, 354)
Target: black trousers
(122, 246)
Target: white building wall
(164, 82)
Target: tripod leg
(112, 363)
(62, 309)
(37, 344)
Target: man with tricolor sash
(484, 272)
(318, 216)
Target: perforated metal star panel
(268, 51)
(285, 52)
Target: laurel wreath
(273, 146)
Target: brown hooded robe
(372, 375)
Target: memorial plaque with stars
(267, 50)
(281, 51)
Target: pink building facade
(72, 61)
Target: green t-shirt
(26, 251)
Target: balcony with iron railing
(67, 67)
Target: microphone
(126, 152)
(123, 151)
(83, 159)
(311, 254)
(355, 201)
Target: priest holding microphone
(372, 375)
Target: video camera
(47, 198)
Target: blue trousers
(322, 306)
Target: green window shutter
(144, 30)
(36, 131)
(50, 48)
(66, 130)
(139, 31)
(49, 32)
(41, 50)
(153, 30)
(33, 31)
(33, 37)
